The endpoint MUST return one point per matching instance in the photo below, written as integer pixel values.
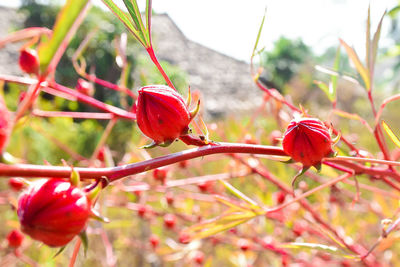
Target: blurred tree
(284, 60)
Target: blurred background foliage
(289, 66)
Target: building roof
(225, 83)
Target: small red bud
(15, 238)
(183, 164)
(160, 174)
(142, 210)
(205, 186)
(29, 61)
(169, 220)
(280, 197)
(53, 211)
(307, 141)
(198, 257)
(154, 241)
(22, 96)
(162, 114)
(84, 87)
(243, 244)
(169, 197)
(16, 184)
(184, 238)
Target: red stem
(153, 57)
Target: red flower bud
(29, 61)
(243, 244)
(169, 197)
(53, 211)
(16, 184)
(154, 241)
(169, 220)
(15, 238)
(307, 141)
(205, 186)
(162, 114)
(142, 210)
(84, 87)
(184, 238)
(198, 257)
(160, 174)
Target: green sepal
(299, 174)
(59, 251)
(166, 143)
(318, 167)
(75, 178)
(194, 112)
(288, 161)
(94, 193)
(7, 158)
(96, 215)
(85, 241)
(151, 145)
(336, 139)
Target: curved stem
(153, 57)
(75, 253)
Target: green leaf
(259, 33)
(368, 41)
(334, 78)
(391, 134)
(148, 19)
(239, 194)
(325, 88)
(359, 66)
(122, 16)
(319, 247)
(85, 241)
(66, 24)
(133, 10)
(375, 40)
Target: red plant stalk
(153, 57)
(109, 85)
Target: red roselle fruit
(15, 238)
(162, 114)
(154, 241)
(184, 238)
(307, 140)
(53, 211)
(5, 124)
(160, 174)
(84, 87)
(29, 61)
(198, 257)
(16, 184)
(243, 244)
(169, 220)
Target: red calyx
(198, 257)
(16, 184)
(169, 220)
(308, 141)
(169, 197)
(154, 241)
(15, 238)
(243, 244)
(29, 61)
(53, 211)
(184, 238)
(160, 174)
(205, 186)
(162, 114)
(142, 210)
(84, 87)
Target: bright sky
(231, 26)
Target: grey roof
(225, 83)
